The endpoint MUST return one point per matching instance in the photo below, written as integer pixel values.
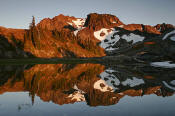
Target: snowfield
(77, 96)
(109, 37)
(79, 23)
(108, 33)
(104, 88)
(105, 31)
(109, 82)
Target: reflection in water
(94, 84)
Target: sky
(18, 13)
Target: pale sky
(18, 13)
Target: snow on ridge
(121, 26)
(168, 86)
(78, 96)
(70, 23)
(105, 87)
(79, 22)
(105, 31)
(165, 64)
(134, 37)
(168, 34)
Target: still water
(86, 89)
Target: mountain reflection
(94, 84)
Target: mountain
(97, 35)
(94, 84)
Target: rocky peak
(59, 22)
(96, 21)
(164, 27)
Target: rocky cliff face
(64, 36)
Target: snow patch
(165, 64)
(168, 34)
(108, 81)
(69, 23)
(78, 96)
(110, 70)
(168, 86)
(173, 82)
(104, 88)
(111, 79)
(135, 38)
(121, 26)
(172, 38)
(79, 22)
(103, 30)
(107, 39)
(133, 82)
(110, 42)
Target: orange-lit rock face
(67, 83)
(17, 33)
(58, 22)
(97, 35)
(164, 27)
(133, 27)
(142, 28)
(97, 21)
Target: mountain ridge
(67, 36)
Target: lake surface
(86, 89)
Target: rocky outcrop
(58, 22)
(96, 21)
(142, 28)
(164, 27)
